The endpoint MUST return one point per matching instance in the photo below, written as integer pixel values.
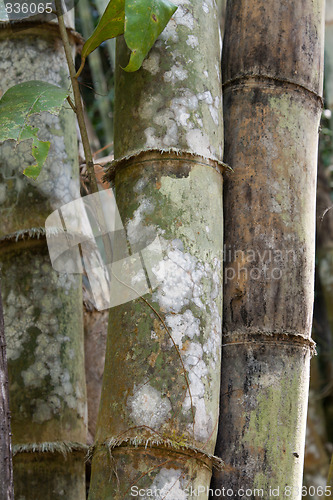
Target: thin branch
(77, 97)
(72, 105)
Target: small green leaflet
(144, 21)
(17, 105)
(141, 21)
(40, 150)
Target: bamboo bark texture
(6, 462)
(157, 423)
(325, 223)
(42, 309)
(272, 73)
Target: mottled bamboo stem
(272, 73)
(42, 309)
(158, 417)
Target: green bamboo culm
(158, 416)
(42, 308)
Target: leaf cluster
(140, 21)
(21, 102)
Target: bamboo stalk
(273, 70)
(43, 310)
(158, 416)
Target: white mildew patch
(24, 61)
(199, 143)
(176, 285)
(152, 141)
(218, 72)
(182, 108)
(152, 63)
(176, 73)
(137, 231)
(275, 206)
(185, 282)
(212, 345)
(182, 326)
(215, 114)
(169, 34)
(205, 8)
(180, 281)
(147, 107)
(168, 484)
(192, 41)
(148, 407)
(183, 16)
(140, 185)
(204, 421)
(205, 97)
(186, 326)
(197, 371)
(166, 120)
(42, 411)
(32, 329)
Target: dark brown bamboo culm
(272, 67)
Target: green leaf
(17, 105)
(39, 151)
(110, 25)
(24, 100)
(144, 21)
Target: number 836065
(28, 8)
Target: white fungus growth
(152, 63)
(181, 286)
(147, 407)
(176, 73)
(168, 483)
(214, 114)
(183, 325)
(205, 97)
(184, 17)
(137, 231)
(199, 143)
(192, 41)
(205, 8)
